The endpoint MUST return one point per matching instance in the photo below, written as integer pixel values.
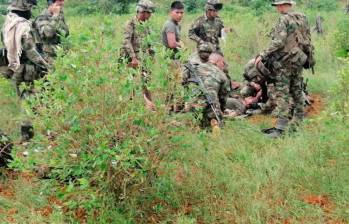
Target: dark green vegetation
(112, 161)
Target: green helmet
(213, 5)
(22, 5)
(282, 2)
(145, 6)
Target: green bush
(342, 37)
(326, 5)
(194, 5)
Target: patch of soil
(318, 104)
(262, 119)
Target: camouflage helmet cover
(205, 47)
(22, 5)
(145, 6)
(213, 5)
(282, 2)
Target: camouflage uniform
(288, 59)
(32, 65)
(258, 75)
(50, 29)
(207, 30)
(217, 86)
(135, 34)
(24, 58)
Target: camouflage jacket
(284, 46)
(30, 53)
(134, 35)
(205, 30)
(50, 29)
(215, 81)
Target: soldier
(290, 51)
(134, 44)
(51, 26)
(24, 60)
(258, 86)
(216, 84)
(208, 28)
(171, 32)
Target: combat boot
(273, 132)
(27, 131)
(278, 130)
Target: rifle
(202, 87)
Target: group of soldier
(30, 50)
(273, 79)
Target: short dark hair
(177, 5)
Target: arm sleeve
(278, 39)
(29, 48)
(128, 34)
(194, 30)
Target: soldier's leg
(296, 92)
(18, 79)
(282, 100)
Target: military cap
(205, 47)
(22, 5)
(145, 6)
(282, 2)
(213, 5)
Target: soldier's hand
(258, 59)
(55, 9)
(134, 63)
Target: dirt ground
(318, 104)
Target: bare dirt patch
(318, 105)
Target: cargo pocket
(298, 58)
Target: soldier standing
(208, 28)
(51, 26)
(290, 51)
(134, 43)
(24, 60)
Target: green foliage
(341, 104)
(116, 162)
(325, 5)
(259, 6)
(342, 37)
(86, 7)
(194, 5)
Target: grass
(115, 162)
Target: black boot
(273, 132)
(27, 131)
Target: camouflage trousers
(288, 86)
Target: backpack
(301, 38)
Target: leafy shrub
(342, 37)
(194, 5)
(326, 5)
